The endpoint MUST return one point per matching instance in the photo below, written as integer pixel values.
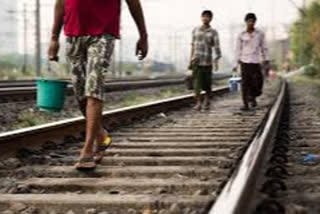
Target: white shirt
(251, 47)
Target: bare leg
(83, 106)
(198, 104)
(93, 125)
(101, 133)
(207, 97)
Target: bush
(311, 71)
(305, 39)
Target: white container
(235, 84)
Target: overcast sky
(179, 14)
(170, 23)
(169, 19)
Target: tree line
(305, 39)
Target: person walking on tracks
(91, 27)
(204, 39)
(251, 51)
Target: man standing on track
(251, 51)
(204, 38)
(91, 27)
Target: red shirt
(92, 17)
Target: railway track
(24, 90)
(291, 181)
(32, 83)
(166, 158)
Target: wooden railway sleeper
(270, 206)
(273, 187)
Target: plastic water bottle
(310, 159)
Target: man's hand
(142, 48)
(137, 14)
(266, 64)
(194, 61)
(56, 29)
(53, 50)
(216, 66)
(234, 69)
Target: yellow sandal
(102, 148)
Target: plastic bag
(189, 79)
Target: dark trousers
(252, 81)
(202, 79)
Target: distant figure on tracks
(251, 52)
(91, 27)
(204, 39)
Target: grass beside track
(307, 80)
(32, 117)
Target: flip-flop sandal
(85, 163)
(107, 141)
(206, 107)
(102, 148)
(197, 108)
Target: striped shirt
(203, 40)
(251, 47)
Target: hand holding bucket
(51, 92)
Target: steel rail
(32, 83)
(29, 93)
(24, 138)
(132, 79)
(237, 193)
(118, 85)
(19, 92)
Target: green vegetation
(29, 118)
(305, 36)
(11, 67)
(310, 81)
(135, 99)
(306, 79)
(15, 74)
(218, 83)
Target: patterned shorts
(89, 58)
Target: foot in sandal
(85, 163)
(104, 143)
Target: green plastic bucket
(51, 94)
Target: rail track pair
(167, 159)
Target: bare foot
(85, 163)
(197, 107)
(102, 135)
